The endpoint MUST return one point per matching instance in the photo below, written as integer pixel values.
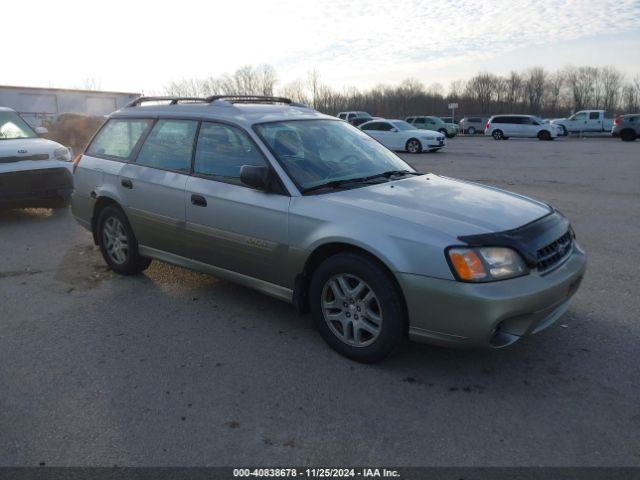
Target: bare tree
(534, 88)
(482, 88)
(515, 86)
(611, 87)
(553, 90)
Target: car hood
(33, 146)
(453, 207)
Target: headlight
(485, 264)
(62, 153)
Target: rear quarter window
(118, 138)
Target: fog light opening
(500, 339)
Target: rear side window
(419, 121)
(169, 145)
(594, 115)
(222, 150)
(499, 120)
(118, 138)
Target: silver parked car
(627, 127)
(306, 208)
(473, 125)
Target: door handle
(198, 201)
(126, 183)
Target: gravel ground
(177, 368)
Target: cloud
(379, 36)
(144, 44)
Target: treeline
(534, 91)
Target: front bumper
(47, 187)
(496, 314)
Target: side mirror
(256, 177)
(41, 130)
(394, 129)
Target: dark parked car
(627, 127)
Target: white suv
(501, 127)
(34, 172)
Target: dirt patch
(83, 268)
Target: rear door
(230, 225)
(594, 121)
(153, 187)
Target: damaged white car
(34, 172)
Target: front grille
(551, 255)
(41, 156)
(30, 182)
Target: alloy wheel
(352, 310)
(413, 146)
(115, 240)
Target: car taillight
(76, 161)
(486, 127)
(617, 120)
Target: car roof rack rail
(254, 99)
(230, 99)
(172, 100)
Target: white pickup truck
(585, 121)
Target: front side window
(371, 126)
(169, 145)
(222, 150)
(419, 121)
(578, 117)
(119, 137)
(314, 152)
(13, 126)
(342, 116)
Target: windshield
(400, 125)
(314, 152)
(13, 126)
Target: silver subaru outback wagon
(278, 197)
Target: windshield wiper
(339, 183)
(391, 173)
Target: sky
(140, 46)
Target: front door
(230, 225)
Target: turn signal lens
(486, 264)
(467, 264)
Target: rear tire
(413, 146)
(497, 135)
(357, 307)
(117, 242)
(628, 135)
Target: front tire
(544, 135)
(628, 135)
(471, 131)
(497, 135)
(413, 146)
(357, 307)
(118, 244)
